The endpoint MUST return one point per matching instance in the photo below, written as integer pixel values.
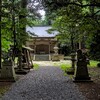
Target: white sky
(42, 12)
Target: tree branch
(86, 5)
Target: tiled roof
(40, 31)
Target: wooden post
(34, 51)
(49, 49)
(79, 45)
(34, 48)
(30, 59)
(0, 34)
(49, 46)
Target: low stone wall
(41, 57)
(47, 57)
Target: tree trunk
(14, 30)
(72, 42)
(22, 30)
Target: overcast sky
(42, 12)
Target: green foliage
(15, 16)
(6, 34)
(65, 67)
(6, 45)
(95, 47)
(3, 90)
(35, 66)
(93, 63)
(65, 25)
(75, 21)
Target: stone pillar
(73, 60)
(7, 71)
(73, 55)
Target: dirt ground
(89, 89)
(4, 86)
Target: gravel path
(46, 83)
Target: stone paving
(46, 83)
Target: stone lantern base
(55, 57)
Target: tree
(95, 47)
(13, 13)
(79, 16)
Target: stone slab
(7, 80)
(21, 71)
(82, 81)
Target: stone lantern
(73, 55)
(7, 71)
(56, 50)
(73, 60)
(55, 56)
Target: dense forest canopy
(76, 20)
(15, 15)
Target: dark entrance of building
(42, 49)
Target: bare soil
(91, 89)
(4, 86)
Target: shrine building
(41, 42)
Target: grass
(4, 87)
(93, 68)
(36, 66)
(93, 63)
(3, 90)
(65, 67)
